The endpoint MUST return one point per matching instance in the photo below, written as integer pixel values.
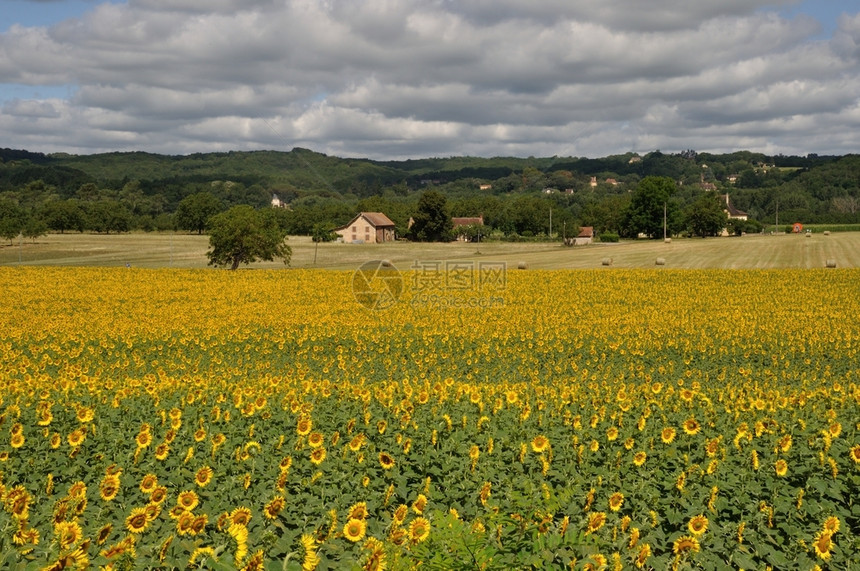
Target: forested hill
(330, 189)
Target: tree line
(519, 198)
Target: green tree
(705, 216)
(432, 220)
(194, 211)
(34, 227)
(12, 219)
(107, 216)
(645, 212)
(62, 215)
(243, 235)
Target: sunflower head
(354, 529)
(698, 525)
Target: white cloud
(401, 78)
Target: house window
(353, 228)
(354, 237)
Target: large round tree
(651, 201)
(243, 235)
(432, 220)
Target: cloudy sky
(418, 78)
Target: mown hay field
(168, 250)
(590, 419)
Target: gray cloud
(407, 78)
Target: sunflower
(240, 516)
(303, 426)
(202, 553)
(184, 523)
(198, 525)
(137, 521)
(611, 433)
(148, 483)
(419, 504)
(56, 440)
(17, 440)
(831, 525)
(316, 439)
(188, 500)
(381, 426)
(855, 453)
(356, 442)
(255, 562)
(143, 439)
(639, 458)
(419, 529)
(354, 529)
(698, 525)
(358, 511)
(781, 467)
(616, 500)
(642, 556)
(691, 426)
(109, 487)
(685, 544)
(103, 533)
(400, 514)
(200, 435)
(835, 429)
(158, 495)
(152, 511)
(78, 490)
(274, 507)
(823, 544)
(376, 557)
(540, 443)
(162, 450)
(386, 461)
(629, 443)
(203, 476)
(317, 456)
(76, 438)
(68, 533)
(595, 522)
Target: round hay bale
(668, 240)
(827, 232)
(831, 263)
(522, 266)
(809, 234)
(660, 261)
(606, 261)
(385, 263)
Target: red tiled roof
(465, 221)
(377, 219)
(586, 232)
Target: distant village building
(486, 187)
(733, 213)
(593, 182)
(461, 224)
(367, 228)
(585, 236)
(278, 203)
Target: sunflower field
(594, 419)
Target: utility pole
(550, 223)
(664, 221)
(776, 228)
